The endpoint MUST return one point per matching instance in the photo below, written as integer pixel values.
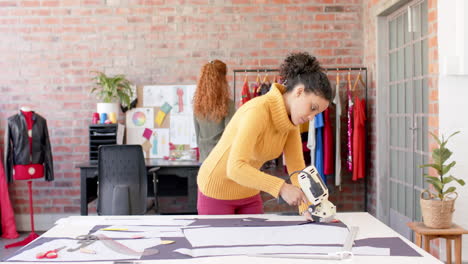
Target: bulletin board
(162, 119)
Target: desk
(183, 169)
(453, 233)
(369, 227)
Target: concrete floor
(4, 253)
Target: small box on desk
(101, 134)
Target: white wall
(453, 96)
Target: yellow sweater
(259, 131)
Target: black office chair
(122, 180)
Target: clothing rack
(327, 70)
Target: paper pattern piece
(180, 129)
(157, 95)
(283, 235)
(160, 143)
(140, 118)
(232, 251)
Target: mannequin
(32, 159)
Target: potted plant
(437, 206)
(111, 90)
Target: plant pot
(108, 108)
(437, 213)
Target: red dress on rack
(8, 229)
(359, 139)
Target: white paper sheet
(120, 133)
(180, 129)
(157, 95)
(284, 235)
(231, 251)
(193, 134)
(140, 118)
(145, 231)
(102, 252)
(160, 143)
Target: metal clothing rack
(338, 69)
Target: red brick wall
(49, 47)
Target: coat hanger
(358, 79)
(349, 79)
(245, 78)
(266, 79)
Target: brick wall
(49, 47)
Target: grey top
(209, 132)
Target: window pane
(425, 141)
(416, 21)
(400, 32)
(425, 96)
(401, 64)
(418, 178)
(408, 68)
(393, 66)
(424, 19)
(417, 210)
(409, 202)
(394, 195)
(401, 199)
(393, 131)
(408, 97)
(425, 56)
(417, 59)
(407, 33)
(393, 98)
(401, 132)
(418, 96)
(392, 40)
(401, 98)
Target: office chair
(122, 180)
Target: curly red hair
(211, 99)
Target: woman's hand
(292, 194)
(308, 216)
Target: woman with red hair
(212, 106)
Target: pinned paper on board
(180, 129)
(160, 143)
(157, 95)
(162, 113)
(140, 118)
(183, 99)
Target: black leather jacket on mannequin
(17, 145)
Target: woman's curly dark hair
(302, 68)
(211, 99)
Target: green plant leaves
(111, 89)
(440, 156)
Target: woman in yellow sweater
(229, 181)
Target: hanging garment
(245, 92)
(319, 146)
(311, 141)
(264, 88)
(328, 160)
(359, 139)
(255, 87)
(8, 225)
(349, 159)
(18, 150)
(337, 102)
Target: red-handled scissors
(51, 254)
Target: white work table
(369, 227)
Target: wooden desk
(454, 233)
(183, 169)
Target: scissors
(51, 254)
(84, 241)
